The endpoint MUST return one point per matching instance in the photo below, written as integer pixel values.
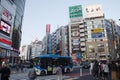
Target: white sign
(93, 11)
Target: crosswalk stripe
(72, 78)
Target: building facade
(36, 48)
(25, 53)
(9, 10)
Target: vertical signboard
(93, 11)
(47, 27)
(75, 11)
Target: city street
(59, 39)
(75, 75)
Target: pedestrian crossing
(77, 74)
(75, 78)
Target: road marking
(77, 74)
(72, 78)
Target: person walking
(95, 70)
(5, 72)
(91, 67)
(59, 72)
(113, 71)
(50, 69)
(32, 74)
(101, 72)
(21, 67)
(105, 70)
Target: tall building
(65, 40)
(100, 38)
(36, 49)
(60, 41)
(90, 36)
(17, 27)
(25, 53)
(75, 38)
(56, 42)
(44, 45)
(11, 15)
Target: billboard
(75, 11)
(5, 28)
(93, 11)
(7, 16)
(96, 35)
(76, 42)
(75, 33)
(47, 27)
(97, 30)
(3, 40)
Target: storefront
(8, 54)
(4, 54)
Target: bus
(41, 63)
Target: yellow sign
(96, 30)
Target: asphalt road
(75, 75)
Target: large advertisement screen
(75, 11)
(5, 28)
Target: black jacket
(5, 73)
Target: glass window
(100, 45)
(90, 46)
(101, 49)
(98, 24)
(89, 22)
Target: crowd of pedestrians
(105, 70)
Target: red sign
(5, 41)
(47, 27)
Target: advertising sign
(76, 42)
(5, 28)
(75, 11)
(75, 33)
(8, 42)
(7, 16)
(47, 27)
(96, 35)
(98, 30)
(93, 11)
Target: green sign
(75, 11)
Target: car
(86, 65)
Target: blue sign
(96, 35)
(78, 55)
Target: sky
(38, 13)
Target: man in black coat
(5, 72)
